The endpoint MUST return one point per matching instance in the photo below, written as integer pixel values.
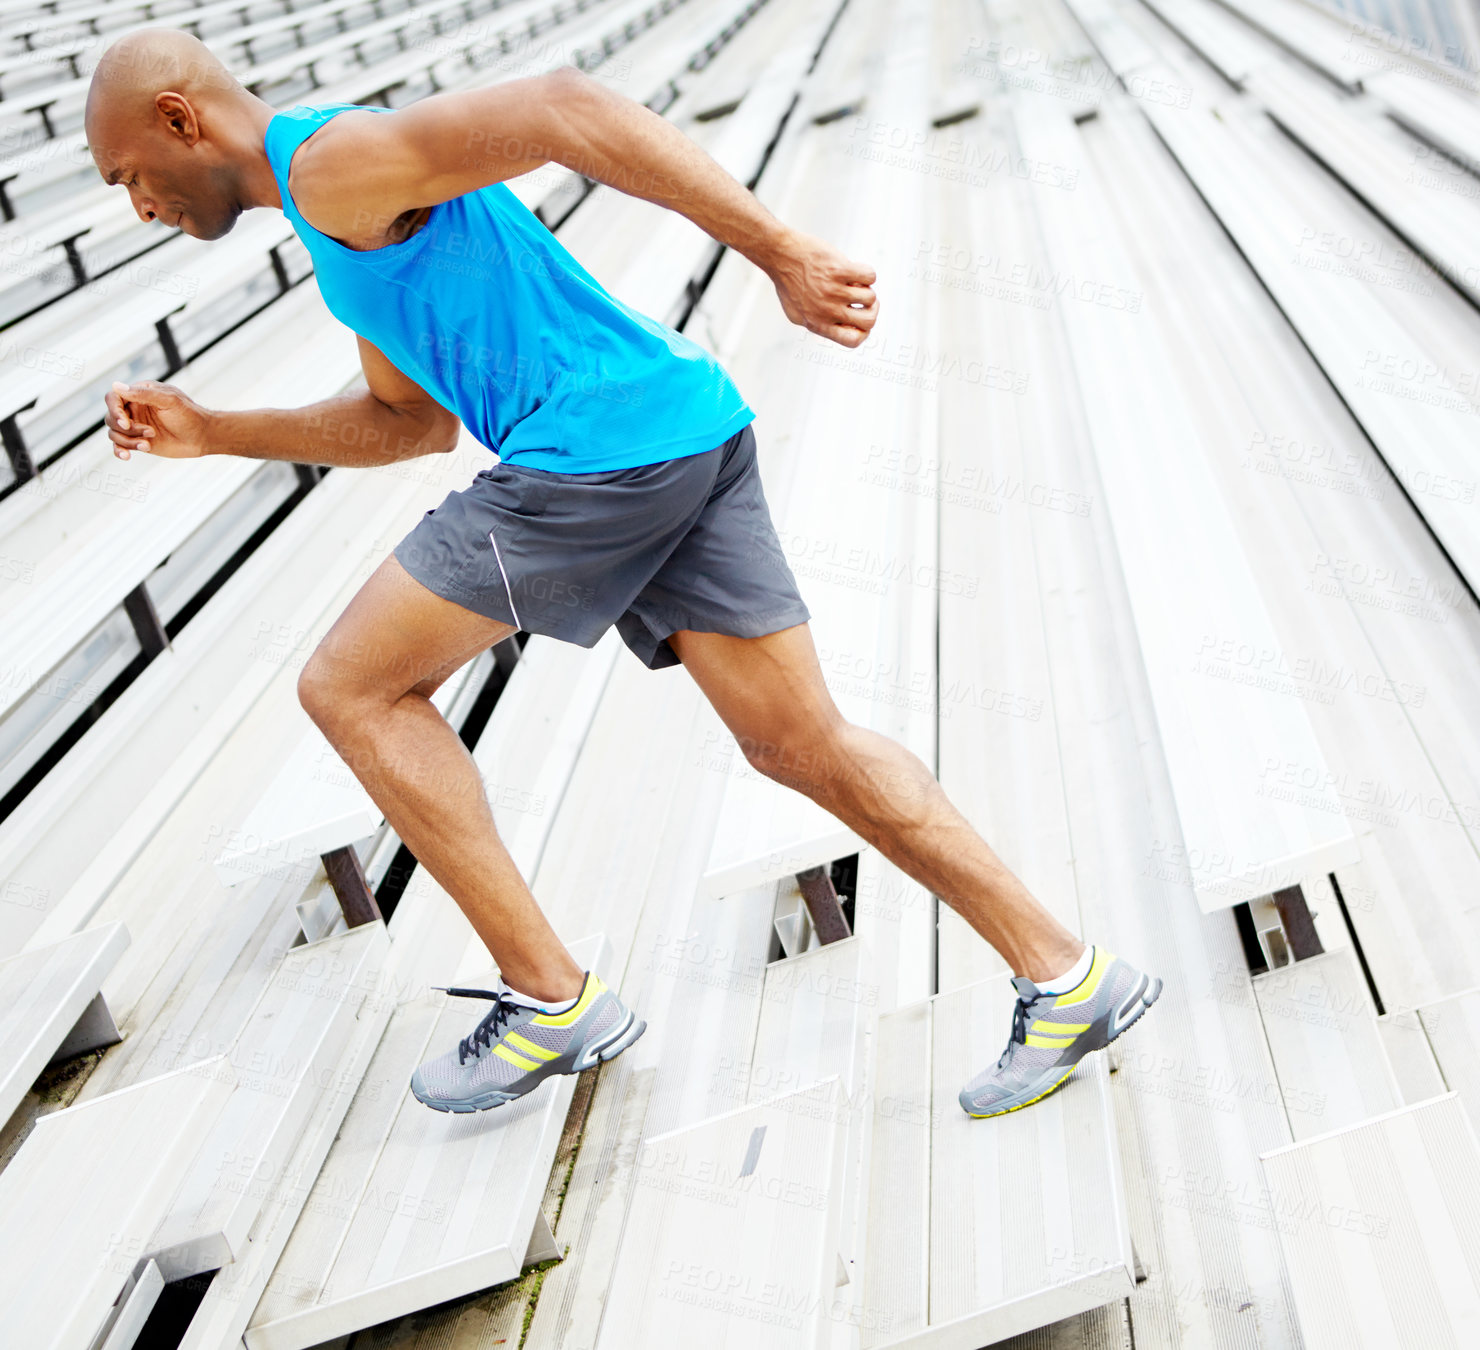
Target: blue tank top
(489, 314)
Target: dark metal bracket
(347, 878)
(821, 897)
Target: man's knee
(804, 757)
(328, 690)
(321, 690)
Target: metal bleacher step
(732, 1230)
(1377, 1225)
(464, 1189)
(1186, 572)
(1411, 1054)
(1263, 194)
(1447, 118)
(178, 1202)
(1214, 35)
(1321, 41)
(290, 1049)
(1379, 169)
(1329, 1057)
(984, 1229)
(53, 1007)
(82, 1196)
(1450, 1031)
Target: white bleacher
(53, 1007)
(1450, 1029)
(292, 1044)
(1411, 1056)
(984, 1229)
(1190, 584)
(345, 49)
(527, 753)
(1324, 1040)
(1320, 40)
(1220, 40)
(72, 838)
(289, 28)
(1118, 43)
(473, 1191)
(1365, 349)
(1447, 118)
(1379, 169)
(84, 1194)
(1259, 391)
(733, 1228)
(1377, 1226)
(136, 541)
(873, 1212)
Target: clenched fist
(824, 291)
(158, 418)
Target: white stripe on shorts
(518, 623)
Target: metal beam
(823, 905)
(347, 877)
(1300, 928)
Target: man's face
(168, 180)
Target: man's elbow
(444, 434)
(430, 432)
(569, 82)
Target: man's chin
(213, 231)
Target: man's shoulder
(327, 175)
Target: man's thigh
(769, 691)
(396, 636)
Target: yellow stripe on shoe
(1070, 1029)
(518, 1061)
(1085, 990)
(528, 1047)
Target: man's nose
(144, 208)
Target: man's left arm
(450, 144)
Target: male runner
(626, 491)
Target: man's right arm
(392, 419)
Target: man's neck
(258, 183)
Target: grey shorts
(683, 544)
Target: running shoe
(515, 1048)
(1051, 1033)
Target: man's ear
(178, 116)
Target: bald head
(167, 118)
(149, 62)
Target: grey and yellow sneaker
(515, 1048)
(1051, 1033)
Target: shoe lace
(489, 1028)
(1019, 1034)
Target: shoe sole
(1145, 994)
(618, 1039)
